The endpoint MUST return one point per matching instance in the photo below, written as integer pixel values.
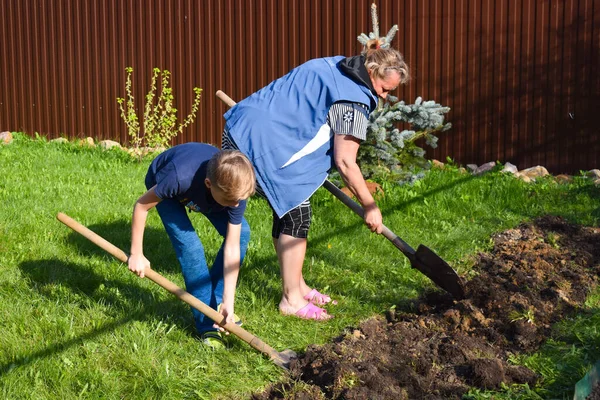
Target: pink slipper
(310, 311)
(319, 299)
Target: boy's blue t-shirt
(179, 174)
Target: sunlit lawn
(75, 323)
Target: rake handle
(173, 288)
(351, 204)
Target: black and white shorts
(296, 222)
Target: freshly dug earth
(595, 395)
(535, 275)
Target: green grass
(74, 323)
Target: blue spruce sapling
(389, 154)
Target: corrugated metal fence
(521, 76)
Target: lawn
(75, 323)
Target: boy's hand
(137, 264)
(227, 312)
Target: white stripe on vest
(323, 136)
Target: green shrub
(160, 117)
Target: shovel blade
(438, 270)
(284, 358)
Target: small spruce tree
(389, 154)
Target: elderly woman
(293, 130)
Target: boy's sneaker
(236, 319)
(213, 339)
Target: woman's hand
(345, 148)
(137, 264)
(373, 218)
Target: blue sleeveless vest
(283, 129)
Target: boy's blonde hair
(381, 61)
(232, 173)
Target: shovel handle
(225, 99)
(391, 236)
(354, 206)
(176, 290)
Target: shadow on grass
(157, 246)
(63, 345)
(331, 217)
(158, 249)
(386, 211)
(134, 302)
(328, 211)
(593, 191)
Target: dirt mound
(536, 275)
(595, 395)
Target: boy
(215, 183)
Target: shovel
(424, 259)
(281, 359)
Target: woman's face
(385, 85)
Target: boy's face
(219, 196)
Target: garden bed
(536, 275)
(595, 395)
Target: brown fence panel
(522, 77)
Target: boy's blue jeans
(202, 283)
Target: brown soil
(595, 395)
(536, 275)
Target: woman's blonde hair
(381, 61)
(232, 173)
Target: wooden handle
(351, 204)
(173, 288)
(354, 206)
(225, 99)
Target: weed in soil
(536, 275)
